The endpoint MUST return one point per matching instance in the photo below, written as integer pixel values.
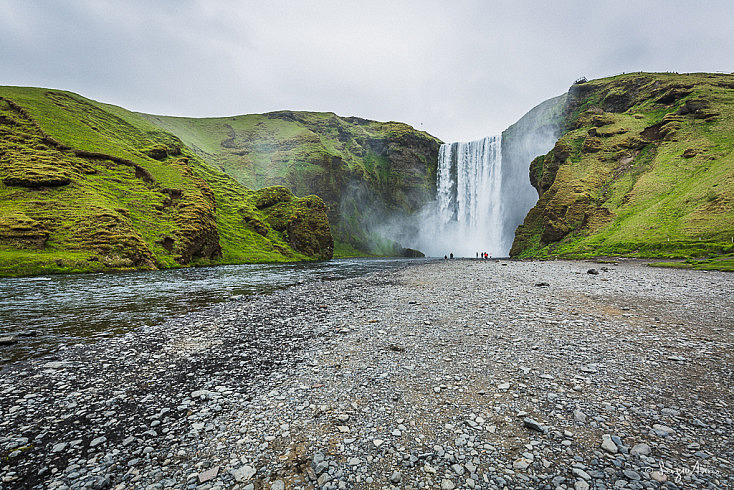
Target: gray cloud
(459, 70)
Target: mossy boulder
(302, 221)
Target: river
(49, 313)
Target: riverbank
(450, 374)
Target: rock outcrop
(644, 167)
(88, 187)
(362, 169)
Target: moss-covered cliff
(361, 169)
(645, 167)
(86, 186)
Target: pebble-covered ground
(451, 374)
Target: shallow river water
(47, 313)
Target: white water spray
(469, 194)
(483, 190)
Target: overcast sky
(460, 70)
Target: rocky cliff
(90, 187)
(363, 170)
(644, 167)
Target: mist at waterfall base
(483, 191)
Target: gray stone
(641, 449)
(631, 475)
(97, 441)
(608, 445)
(581, 485)
(59, 447)
(209, 474)
(458, 469)
(396, 477)
(243, 473)
(8, 340)
(278, 485)
(447, 484)
(532, 424)
(581, 473)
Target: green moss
(321, 154)
(650, 171)
(91, 187)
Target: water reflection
(46, 313)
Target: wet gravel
(452, 374)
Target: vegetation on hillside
(363, 170)
(86, 186)
(645, 168)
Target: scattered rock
(608, 445)
(532, 424)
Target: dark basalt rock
(412, 253)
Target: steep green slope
(645, 167)
(86, 186)
(363, 170)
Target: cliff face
(645, 167)
(90, 187)
(360, 168)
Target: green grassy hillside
(86, 186)
(361, 169)
(644, 168)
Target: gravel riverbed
(449, 374)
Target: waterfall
(469, 195)
(483, 190)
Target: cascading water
(469, 195)
(483, 190)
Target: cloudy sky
(458, 69)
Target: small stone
(97, 441)
(662, 430)
(581, 485)
(209, 474)
(243, 473)
(532, 424)
(458, 469)
(631, 475)
(8, 340)
(397, 433)
(503, 386)
(658, 476)
(593, 272)
(343, 417)
(278, 485)
(447, 484)
(320, 467)
(355, 462)
(59, 447)
(579, 416)
(608, 445)
(396, 477)
(641, 449)
(377, 442)
(521, 464)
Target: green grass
(81, 191)
(722, 263)
(640, 196)
(317, 153)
